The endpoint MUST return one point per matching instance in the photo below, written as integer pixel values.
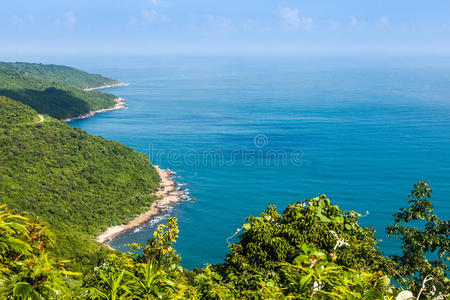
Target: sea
(246, 131)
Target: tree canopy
(58, 74)
(78, 183)
(61, 97)
(273, 259)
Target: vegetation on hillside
(274, 259)
(27, 271)
(41, 90)
(60, 75)
(78, 183)
(63, 186)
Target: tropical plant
(26, 271)
(160, 249)
(312, 275)
(155, 274)
(426, 245)
(272, 238)
(267, 263)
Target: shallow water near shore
(247, 132)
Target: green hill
(78, 183)
(57, 176)
(53, 90)
(61, 75)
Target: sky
(211, 26)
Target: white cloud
(149, 17)
(354, 21)
(23, 20)
(17, 20)
(153, 17)
(383, 22)
(357, 23)
(307, 23)
(290, 18)
(220, 22)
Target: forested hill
(53, 90)
(80, 184)
(62, 75)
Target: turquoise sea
(245, 132)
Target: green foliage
(309, 273)
(210, 285)
(12, 114)
(78, 183)
(26, 271)
(61, 75)
(272, 238)
(313, 275)
(160, 249)
(47, 91)
(154, 275)
(425, 251)
(265, 264)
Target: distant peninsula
(59, 91)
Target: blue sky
(175, 26)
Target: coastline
(120, 104)
(169, 194)
(108, 86)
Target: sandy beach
(169, 194)
(120, 104)
(105, 86)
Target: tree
(273, 248)
(160, 249)
(425, 245)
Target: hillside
(61, 75)
(60, 98)
(60, 187)
(78, 183)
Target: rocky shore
(169, 193)
(120, 104)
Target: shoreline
(170, 194)
(108, 86)
(120, 104)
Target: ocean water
(246, 132)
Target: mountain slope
(61, 75)
(51, 97)
(78, 183)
